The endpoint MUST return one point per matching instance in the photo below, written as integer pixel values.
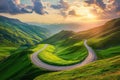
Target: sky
(61, 11)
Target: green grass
(76, 51)
(104, 42)
(16, 33)
(18, 66)
(6, 51)
(109, 52)
(68, 48)
(62, 55)
(37, 47)
(106, 69)
(48, 56)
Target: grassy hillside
(14, 32)
(75, 51)
(105, 40)
(18, 65)
(66, 45)
(109, 52)
(6, 52)
(61, 36)
(106, 69)
(48, 56)
(100, 38)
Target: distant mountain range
(15, 32)
(100, 36)
(55, 28)
(105, 41)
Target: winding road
(36, 61)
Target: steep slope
(59, 37)
(106, 69)
(68, 44)
(67, 51)
(15, 32)
(18, 66)
(107, 33)
(101, 36)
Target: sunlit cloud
(67, 10)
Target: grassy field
(109, 52)
(6, 51)
(48, 56)
(62, 55)
(67, 48)
(106, 69)
(37, 47)
(18, 66)
(76, 51)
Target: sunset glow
(63, 11)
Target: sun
(85, 12)
(91, 16)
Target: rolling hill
(98, 37)
(68, 45)
(105, 40)
(14, 32)
(18, 66)
(15, 39)
(106, 69)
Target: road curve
(36, 61)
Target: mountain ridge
(13, 31)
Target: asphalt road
(36, 61)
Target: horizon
(61, 11)
(86, 14)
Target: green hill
(61, 36)
(105, 40)
(14, 32)
(67, 45)
(101, 37)
(109, 32)
(18, 66)
(74, 51)
(106, 69)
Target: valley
(20, 43)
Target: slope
(105, 40)
(106, 69)
(18, 66)
(100, 38)
(14, 32)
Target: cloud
(15, 7)
(17, 2)
(56, 6)
(9, 6)
(38, 7)
(81, 8)
(72, 12)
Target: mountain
(62, 35)
(55, 28)
(105, 41)
(68, 45)
(98, 37)
(106, 69)
(15, 32)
